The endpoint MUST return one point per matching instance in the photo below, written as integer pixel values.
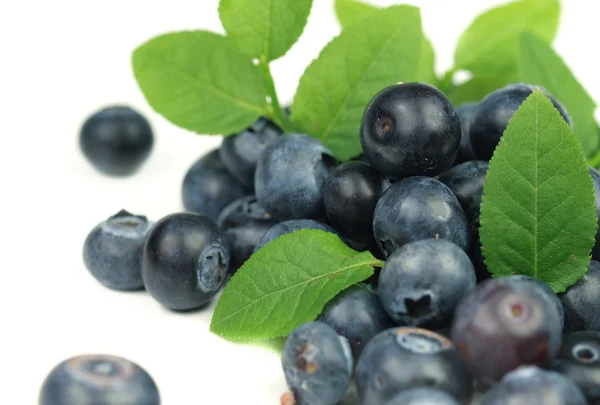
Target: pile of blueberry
(431, 327)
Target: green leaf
(476, 88)
(351, 11)
(287, 283)
(200, 81)
(489, 47)
(382, 49)
(426, 68)
(540, 65)
(264, 29)
(538, 215)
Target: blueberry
(494, 113)
(466, 181)
(596, 181)
(579, 361)
(351, 194)
(185, 261)
(208, 187)
(503, 324)
(112, 251)
(410, 129)
(317, 364)
(244, 223)
(116, 140)
(422, 282)
(403, 358)
(418, 208)
(285, 227)
(582, 302)
(534, 386)
(357, 315)
(465, 114)
(290, 176)
(98, 380)
(240, 153)
(476, 255)
(548, 292)
(422, 396)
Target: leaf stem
(276, 111)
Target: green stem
(276, 111)
(594, 161)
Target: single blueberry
(582, 302)
(422, 396)
(465, 114)
(290, 226)
(116, 140)
(503, 324)
(240, 153)
(185, 261)
(356, 314)
(422, 282)
(494, 113)
(534, 386)
(290, 176)
(403, 358)
(244, 223)
(410, 129)
(317, 364)
(98, 380)
(112, 251)
(596, 181)
(579, 361)
(208, 187)
(418, 208)
(545, 290)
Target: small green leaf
(426, 68)
(489, 47)
(264, 29)
(200, 81)
(382, 49)
(540, 65)
(476, 88)
(350, 11)
(287, 283)
(538, 215)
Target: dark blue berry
(185, 261)
(466, 181)
(465, 114)
(317, 364)
(98, 380)
(116, 140)
(357, 315)
(418, 208)
(545, 290)
(422, 282)
(422, 396)
(410, 129)
(581, 301)
(494, 112)
(534, 386)
(403, 358)
(240, 153)
(290, 226)
(208, 187)
(113, 249)
(290, 176)
(503, 324)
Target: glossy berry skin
(579, 361)
(422, 282)
(351, 194)
(545, 290)
(466, 181)
(208, 187)
(403, 358)
(240, 153)
(410, 129)
(116, 140)
(98, 380)
(465, 114)
(581, 301)
(494, 113)
(422, 396)
(244, 222)
(418, 208)
(534, 386)
(290, 176)
(317, 364)
(503, 324)
(185, 261)
(356, 314)
(290, 226)
(596, 181)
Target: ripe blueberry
(422, 396)
(290, 226)
(582, 302)
(546, 291)
(465, 114)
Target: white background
(59, 61)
